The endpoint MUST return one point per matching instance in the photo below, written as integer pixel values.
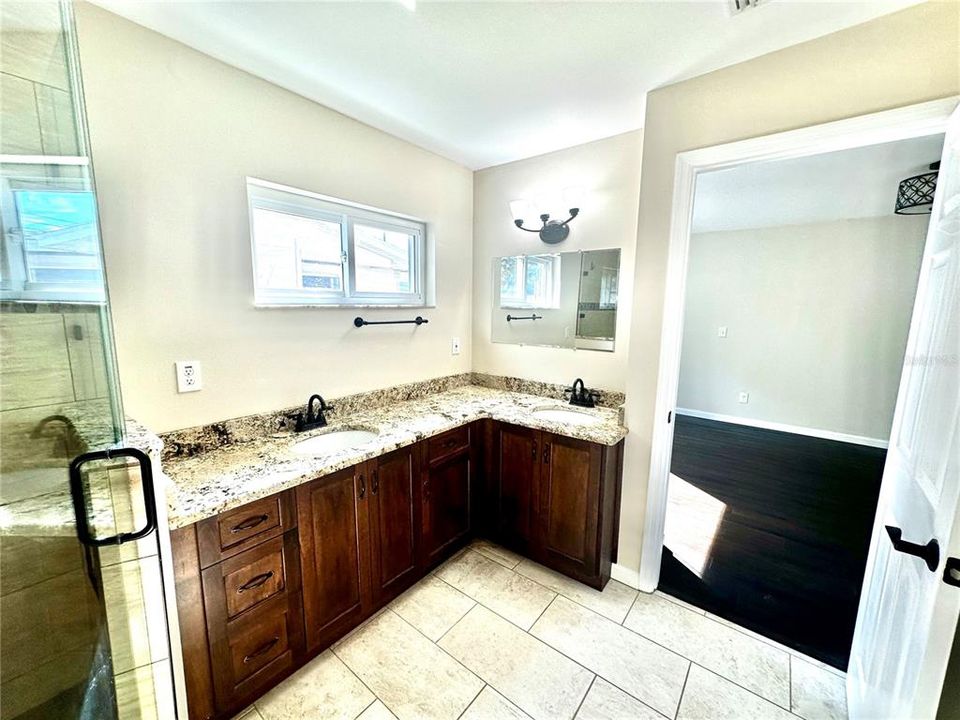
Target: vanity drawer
(245, 522)
(254, 615)
(234, 531)
(252, 577)
(447, 443)
(257, 645)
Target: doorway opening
(799, 291)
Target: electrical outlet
(188, 376)
(743, 398)
(455, 346)
(722, 331)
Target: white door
(908, 612)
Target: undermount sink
(333, 441)
(562, 415)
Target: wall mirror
(564, 300)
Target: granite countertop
(209, 483)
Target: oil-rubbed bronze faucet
(313, 419)
(580, 396)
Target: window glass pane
(530, 281)
(384, 260)
(296, 252)
(511, 270)
(59, 231)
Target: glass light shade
(522, 209)
(573, 197)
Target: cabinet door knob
(363, 487)
(546, 454)
(375, 482)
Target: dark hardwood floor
(789, 544)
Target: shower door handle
(79, 494)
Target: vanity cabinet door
(446, 489)
(569, 518)
(394, 520)
(517, 458)
(335, 553)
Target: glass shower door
(83, 623)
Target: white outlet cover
(455, 346)
(744, 398)
(189, 378)
(722, 331)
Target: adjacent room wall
(609, 172)
(900, 59)
(173, 134)
(817, 318)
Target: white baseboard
(627, 576)
(783, 427)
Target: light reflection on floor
(693, 519)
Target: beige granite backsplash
(203, 438)
(605, 398)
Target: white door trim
(912, 121)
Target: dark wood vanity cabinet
(516, 460)
(239, 603)
(263, 588)
(394, 519)
(446, 490)
(358, 542)
(334, 554)
(557, 499)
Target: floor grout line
(630, 609)
(584, 698)
(360, 680)
(683, 689)
(470, 704)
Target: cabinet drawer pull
(375, 482)
(255, 582)
(363, 488)
(262, 650)
(250, 523)
(534, 453)
(546, 454)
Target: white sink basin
(562, 415)
(333, 441)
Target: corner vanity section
(278, 554)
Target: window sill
(342, 306)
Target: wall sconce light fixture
(552, 231)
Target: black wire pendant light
(915, 194)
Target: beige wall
(173, 134)
(609, 172)
(900, 59)
(816, 316)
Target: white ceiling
(485, 83)
(840, 185)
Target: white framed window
(310, 249)
(530, 281)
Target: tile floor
(490, 635)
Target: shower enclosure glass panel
(83, 624)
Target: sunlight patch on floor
(693, 519)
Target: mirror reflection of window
(530, 281)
